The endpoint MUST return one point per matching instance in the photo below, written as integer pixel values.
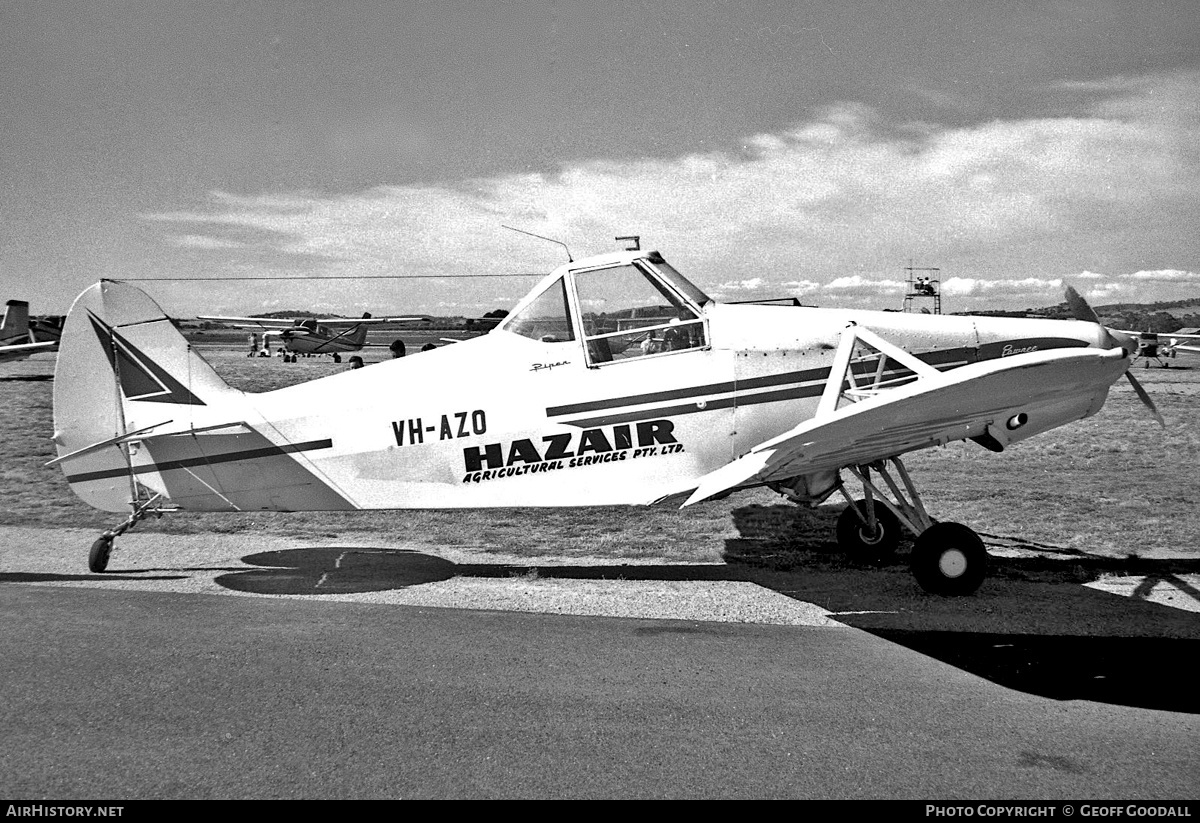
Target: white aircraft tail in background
(16, 342)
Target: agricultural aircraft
(558, 407)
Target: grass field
(1116, 485)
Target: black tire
(854, 538)
(949, 559)
(98, 556)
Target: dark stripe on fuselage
(693, 391)
(204, 460)
(694, 408)
(942, 359)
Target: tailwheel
(98, 556)
(101, 550)
(868, 531)
(949, 559)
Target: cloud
(960, 286)
(195, 241)
(799, 288)
(1167, 276)
(862, 284)
(841, 199)
(753, 284)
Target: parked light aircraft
(1159, 345)
(548, 410)
(1184, 341)
(16, 339)
(326, 335)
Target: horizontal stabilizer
(112, 441)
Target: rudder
(14, 327)
(123, 366)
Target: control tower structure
(924, 292)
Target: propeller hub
(1126, 341)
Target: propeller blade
(1079, 307)
(1137, 387)
(1080, 310)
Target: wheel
(949, 558)
(98, 556)
(857, 541)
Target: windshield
(627, 313)
(546, 317)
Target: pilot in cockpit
(681, 334)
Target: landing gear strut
(868, 531)
(102, 549)
(947, 558)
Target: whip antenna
(570, 259)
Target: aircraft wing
(274, 324)
(1182, 334)
(346, 323)
(969, 401)
(19, 350)
(268, 323)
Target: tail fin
(123, 367)
(14, 328)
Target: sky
(766, 149)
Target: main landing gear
(102, 549)
(947, 558)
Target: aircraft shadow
(1032, 627)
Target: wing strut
(847, 383)
(854, 376)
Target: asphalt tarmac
(217, 667)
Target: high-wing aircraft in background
(326, 335)
(1184, 341)
(555, 408)
(16, 339)
(1160, 346)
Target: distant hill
(1156, 317)
(288, 315)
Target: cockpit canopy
(621, 306)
